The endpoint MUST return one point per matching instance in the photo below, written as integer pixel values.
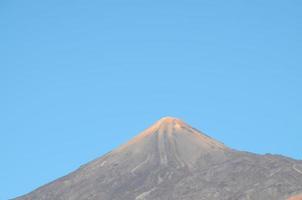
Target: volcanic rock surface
(173, 161)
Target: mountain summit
(173, 161)
(169, 127)
(171, 140)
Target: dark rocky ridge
(173, 161)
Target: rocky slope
(173, 161)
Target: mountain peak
(167, 124)
(172, 136)
(168, 120)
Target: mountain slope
(173, 161)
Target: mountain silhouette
(173, 161)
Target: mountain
(173, 161)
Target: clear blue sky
(79, 78)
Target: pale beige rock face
(173, 161)
(175, 140)
(296, 197)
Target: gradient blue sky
(79, 78)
